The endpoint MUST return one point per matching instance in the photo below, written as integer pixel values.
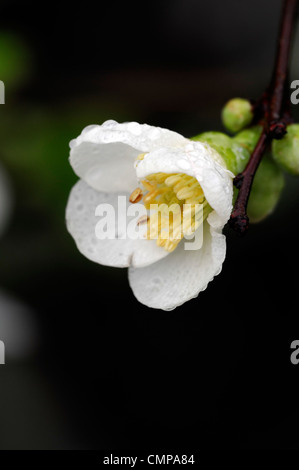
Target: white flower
(114, 159)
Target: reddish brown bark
(272, 112)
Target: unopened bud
(223, 144)
(237, 114)
(234, 151)
(266, 189)
(286, 151)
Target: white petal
(204, 163)
(118, 252)
(105, 167)
(182, 275)
(103, 156)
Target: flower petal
(103, 156)
(204, 163)
(118, 252)
(182, 275)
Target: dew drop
(88, 128)
(109, 123)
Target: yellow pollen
(177, 204)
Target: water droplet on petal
(109, 123)
(89, 128)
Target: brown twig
(274, 114)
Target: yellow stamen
(185, 193)
(147, 185)
(180, 207)
(150, 197)
(172, 180)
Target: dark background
(97, 370)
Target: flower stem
(273, 112)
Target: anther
(136, 196)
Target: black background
(110, 373)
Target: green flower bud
(266, 189)
(286, 150)
(237, 114)
(248, 138)
(223, 144)
(269, 179)
(214, 138)
(235, 151)
(244, 143)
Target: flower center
(177, 207)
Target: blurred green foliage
(15, 59)
(34, 148)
